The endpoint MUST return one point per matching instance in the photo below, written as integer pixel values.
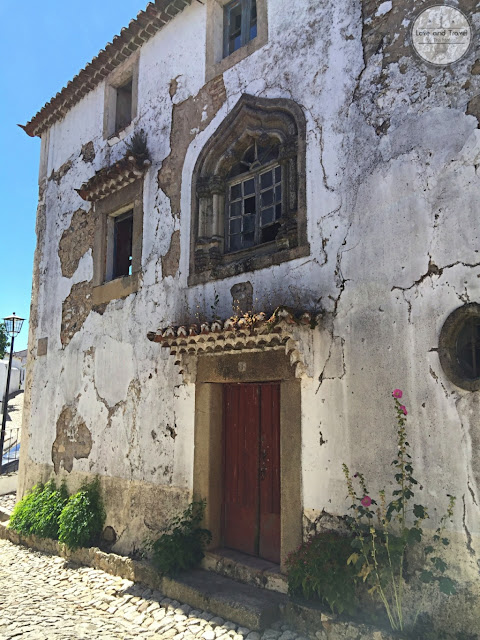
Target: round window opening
(459, 348)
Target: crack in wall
(432, 270)
(339, 343)
(468, 535)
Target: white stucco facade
(392, 224)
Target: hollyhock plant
(379, 550)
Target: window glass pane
(234, 17)
(278, 193)
(267, 198)
(249, 187)
(250, 205)
(235, 225)
(267, 216)
(235, 242)
(266, 179)
(249, 223)
(249, 156)
(248, 240)
(236, 209)
(278, 174)
(253, 20)
(236, 191)
(267, 154)
(278, 211)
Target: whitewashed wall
(381, 208)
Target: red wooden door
(251, 505)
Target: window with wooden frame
(239, 24)
(254, 199)
(235, 30)
(249, 191)
(121, 245)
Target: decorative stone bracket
(283, 331)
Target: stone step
(247, 569)
(246, 605)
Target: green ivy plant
(383, 536)
(318, 570)
(83, 517)
(38, 512)
(181, 546)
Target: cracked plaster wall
(392, 192)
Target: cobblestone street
(43, 597)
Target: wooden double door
(251, 445)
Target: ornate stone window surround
(267, 121)
(215, 62)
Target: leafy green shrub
(83, 517)
(182, 544)
(38, 512)
(319, 570)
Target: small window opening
(240, 24)
(122, 245)
(123, 108)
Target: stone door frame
(254, 366)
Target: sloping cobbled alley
(43, 597)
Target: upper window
(240, 24)
(123, 106)
(249, 210)
(121, 99)
(459, 347)
(235, 30)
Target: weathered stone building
(304, 157)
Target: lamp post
(13, 325)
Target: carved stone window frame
(260, 119)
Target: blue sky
(43, 45)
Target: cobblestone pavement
(7, 501)
(42, 597)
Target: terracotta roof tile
(139, 30)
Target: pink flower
(366, 501)
(397, 393)
(403, 409)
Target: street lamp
(13, 325)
